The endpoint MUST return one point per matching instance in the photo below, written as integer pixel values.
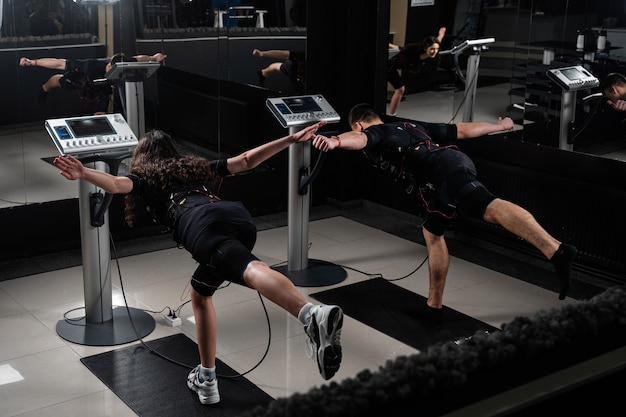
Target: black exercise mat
(153, 386)
(400, 313)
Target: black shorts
(74, 80)
(290, 69)
(226, 262)
(394, 78)
(458, 192)
(220, 236)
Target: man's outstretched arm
(476, 129)
(51, 63)
(351, 141)
(158, 57)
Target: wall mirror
(208, 38)
(531, 36)
(526, 32)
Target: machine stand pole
(96, 258)
(568, 107)
(301, 270)
(298, 207)
(102, 325)
(471, 79)
(135, 107)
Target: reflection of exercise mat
(300, 111)
(91, 134)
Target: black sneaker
(562, 261)
(434, 315)
(324, 334)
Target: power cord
(472, 82)
(373, 275)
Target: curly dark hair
(163, 170)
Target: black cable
(473, 82)
(369, 274)
(267, 349)
(586, 122)
(15, 203)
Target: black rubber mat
(400, 313)
(155, 387)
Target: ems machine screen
(91, 127)
(302, 104)
(573, 73)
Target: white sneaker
(324, 332)
(207, 390)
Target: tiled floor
(34, 359)
(41, 375)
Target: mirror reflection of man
(292, 64)
(614, 89)
(79, 75)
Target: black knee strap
(474, 200)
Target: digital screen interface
(62, 132)
(91, 127)
(302, 104)
(282, 108)
(573, 74)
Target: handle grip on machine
(99, 202)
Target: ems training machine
(102, 143)
(570, 80)
(133, 74)
(295, 113)
(471, 76)
(79, 135)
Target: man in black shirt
(292, 65)
(79, 75)
(411, 149)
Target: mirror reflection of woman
(418, 59)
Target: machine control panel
(573, 78)
(91, 134)
(302, 110)
(132, 71)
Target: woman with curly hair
(220, 236)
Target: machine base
(318, 274)
(127, 325)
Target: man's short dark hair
(362, 112)
(612, 79)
